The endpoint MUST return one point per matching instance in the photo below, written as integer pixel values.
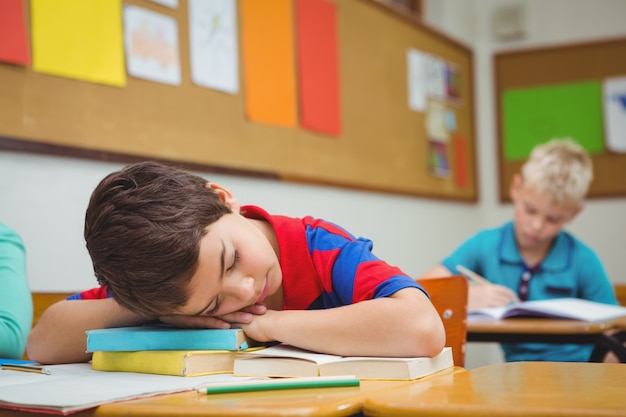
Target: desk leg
(610, 343)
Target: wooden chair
(620, 293)
(449, 296)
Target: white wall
(44, 198)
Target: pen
(280, 384)
(26, 368)
(473, 276)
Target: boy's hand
(255, 328)
(490, 295)
(243, 316)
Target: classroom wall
(44, 198)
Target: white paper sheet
(76, 387)
(213, 44)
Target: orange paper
(268, 61)
(13, 40)
(318, 66)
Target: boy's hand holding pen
(485, 293)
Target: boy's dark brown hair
(143, 228)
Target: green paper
(535, 115)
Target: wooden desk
(541, 330)
(511, 389)
(337, 402)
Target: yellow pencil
(26, 368)
(473, 276)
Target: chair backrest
(620, 293)
(449, 296)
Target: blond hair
(560, 168)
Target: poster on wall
(614, 96)
(151, 41)
(213, 48)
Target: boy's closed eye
(235, 261)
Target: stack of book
(166, 350)
(192, 352)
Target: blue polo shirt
(571, 269)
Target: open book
(74, 387)
(288, 361)
(558, 308)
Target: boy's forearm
(59, 336)
(406, 325)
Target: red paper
(460, 161)
(13, 41)
(316, 38)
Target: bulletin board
(576, 91)
(383, 145)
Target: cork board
(561, 91)
(382, 146)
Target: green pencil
(280, 384)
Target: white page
(416, 79)
(151, 41)
(576, 308)
(78, 386)
(213, 47)
(288, 351)
(615, 113)
(572, 308)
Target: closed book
(288, 361)
(166, 362)
(556, 308)
(165, 338)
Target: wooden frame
(556, 66)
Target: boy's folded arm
(404, 324)
(59, 336)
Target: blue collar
(558, 258)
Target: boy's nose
(242, 288)
(537, 223)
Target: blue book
(161, 337)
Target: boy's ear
(225, 196)
(576, 212)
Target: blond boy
(532, 257)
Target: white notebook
(559, 308)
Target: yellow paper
(79, 39)
(268, 61)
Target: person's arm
(479, 294)
(59, 336)
(403, 324)
(16, 304)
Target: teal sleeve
(16, 304)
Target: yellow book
(166, 362)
